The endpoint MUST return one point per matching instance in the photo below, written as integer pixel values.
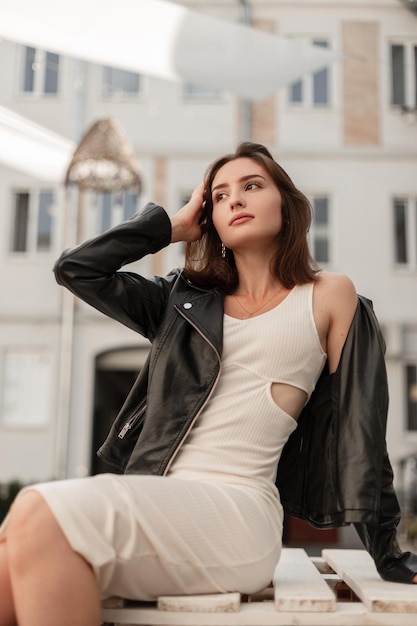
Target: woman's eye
(219, 196)
(252, 185)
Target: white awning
(165, 40)
(32, 149)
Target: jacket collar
(203, 308)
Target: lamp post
(102, 162)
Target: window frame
(30, 385)
(108, 203)
(194, 94)
(408, 81)
(39, 76)
(409, 234)
(324, 231)
(32, 228)
(410, 411)
(307, 82)
(120, 94)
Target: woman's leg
(7, 614)
(51, 583)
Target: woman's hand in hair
(186, 223)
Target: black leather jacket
(334, 469)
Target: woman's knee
(27, 506)
(31, 526)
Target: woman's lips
(240, 219)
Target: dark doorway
(115, 375)
(111, 389)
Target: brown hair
(292, 263)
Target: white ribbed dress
(214, 524)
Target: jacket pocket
(133, 422)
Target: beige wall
(263, 122)
(160, 198)
(361, 105)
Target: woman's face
(246, 205)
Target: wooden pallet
(342, 588)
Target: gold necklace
(248, 313)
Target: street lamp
(102, 162)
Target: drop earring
(223, 251)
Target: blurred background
(84, 144)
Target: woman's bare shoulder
(332, 285)
(336, 301)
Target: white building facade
(347, 135)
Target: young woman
(240, 339)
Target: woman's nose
(235, 201)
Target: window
(194, 93)
(120, 82)
(114, 208)
(320, 229)
(405, 232)
(403, 59)
(40, 72)
(33, 216)
(411, 396)
(314, 89)
(26, 388)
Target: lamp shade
(104, 160)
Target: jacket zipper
(174, 454)
(132, 421)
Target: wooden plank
(210, 603)
(259, 614)
(385, 611)
(358, 570)
(299, 585)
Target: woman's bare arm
(334, 308)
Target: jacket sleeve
(380, 539)
(91, 271)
